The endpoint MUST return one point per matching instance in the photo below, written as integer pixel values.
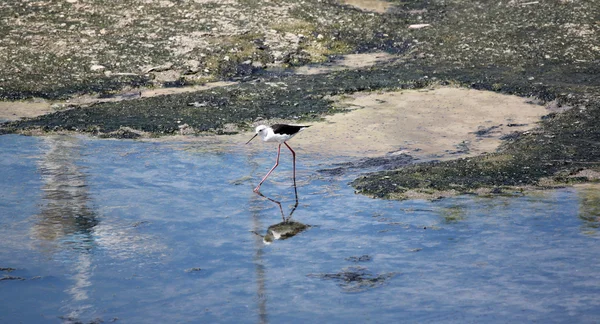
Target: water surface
(139, 232)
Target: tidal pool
(138, 232)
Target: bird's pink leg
(273, 168)
(294, 161)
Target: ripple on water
(101, 225)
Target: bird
(280, 133)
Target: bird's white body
(279, 133)
(269, 135)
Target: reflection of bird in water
(283, 230)
(278, 133)
(287, 228)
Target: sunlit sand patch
(429, 124)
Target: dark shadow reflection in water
(285, 229)
(65, 223)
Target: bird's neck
(268, 134)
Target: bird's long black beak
(252, 138)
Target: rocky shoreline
(545, 50)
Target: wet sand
(428, 124)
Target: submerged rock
(355, 278)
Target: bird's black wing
(287, 129)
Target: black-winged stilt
(278, 133)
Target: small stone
(197, 104)
(277, 55)
(159, 68)
(186, 129)
(258, 64)
(418, 26)
(192, 64)
(97, 67)
(320, 36)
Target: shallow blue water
(138, 232)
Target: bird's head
(260, 130)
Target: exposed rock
(97, 67)
(418, 26)
(158, 68)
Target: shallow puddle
(171, 232)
